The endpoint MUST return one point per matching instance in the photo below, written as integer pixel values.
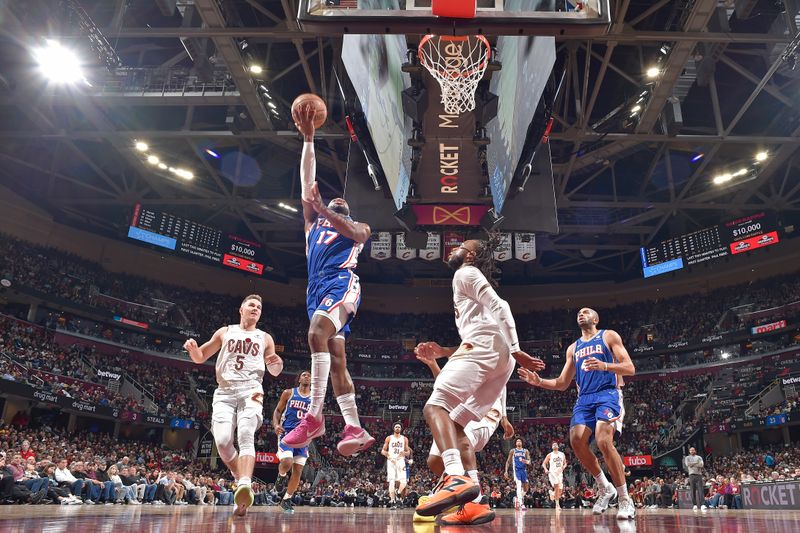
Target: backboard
(494, 17)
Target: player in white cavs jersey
(477, 370)
(244, 353)
(395, 449)
(554, 465)
(478, 433)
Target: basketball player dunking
(333, 242)
(478, 435)
(478, 369)
(597, 360)
(396, 450)
(244, 353)
(291, 408)
(520, 457)
(554, 465)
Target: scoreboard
(731, 238)
(196, 241)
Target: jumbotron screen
(196, 241)
(730, 238)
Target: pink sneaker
(354, 440)
(309, 429)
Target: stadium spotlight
(256, 69)
(697, 157)
(653, 72)
(162, 166)
(722, 178)
(762, 156)
(142, 146)
(152, 159)
(636, 109)
(58, 63)
(725, 355)
(287, 207)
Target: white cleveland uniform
(240, 371)
(476, 374)
(480, 432)
(557, 462)
(395, 463)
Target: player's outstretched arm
(271, 359)
(201, 354)
(428, 352)
(560, 383)
(279, 409)
(308, 161)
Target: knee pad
(247, 431)
(223, 437)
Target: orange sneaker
(456, 490)
(470, 514)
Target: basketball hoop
(458, 64)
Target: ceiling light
(725, 355)
(142, 146)
(762, 156)
(740, 172)
(636, 109)
(697, 157)
(58, 63)
(273, 106)
(287, 207)
(722, 178)
(162, 166)
(185, 174)
(212, 153)
(653, 72)
(256, 69)
(153, 160)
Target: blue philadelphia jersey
(520, 468)
(590, 382)
(328, 251)
(296, 409)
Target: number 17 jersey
(328, 251)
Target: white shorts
(478, 434)
(232, 402)
(556, 478)
(396, 470)
(473, 378)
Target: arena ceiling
(183, 86)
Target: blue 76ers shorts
(521, 474)
(299, 454)
(327, 293)
(605, 405)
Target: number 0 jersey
(241, 358)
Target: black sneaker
(287, 505)
(280, 484)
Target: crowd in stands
(67, 276)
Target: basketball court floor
(26, 519)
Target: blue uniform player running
(520, 458)
(290, 411)
(333, 242)
(597, 361)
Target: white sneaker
(703, 508)
(626, 511)
(601, 504)
(694, 508)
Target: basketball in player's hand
(304, 103)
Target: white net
(458, 64)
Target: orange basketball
(321, 110)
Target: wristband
(606, 367)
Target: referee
(693, 464)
